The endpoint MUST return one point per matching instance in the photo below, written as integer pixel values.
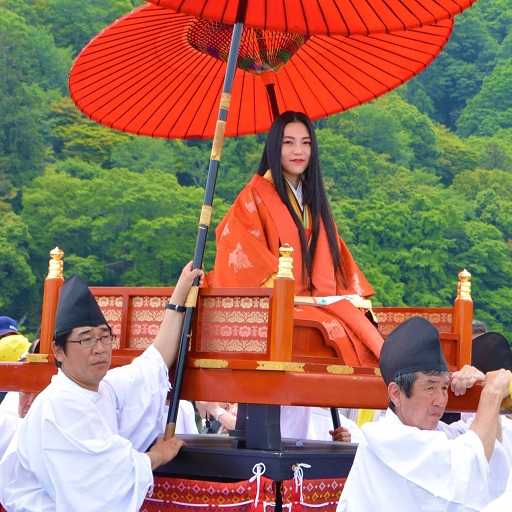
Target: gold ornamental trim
(377, 372)
(211, 363)
(282, 366)
(36, 358)
(206, 215)
(338, 369)
(192, 295)
(225, 100)
(218, 140)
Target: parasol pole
(335, 418)
(204, 220)
(271, 93)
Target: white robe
(503, 503)
(398, 467)
(8, 427)
(82, 450)
(9, 404)
(506, 426)
(314, 423)
(185, 421)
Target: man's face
(85, 366)
(424, 408)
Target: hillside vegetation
(420, 180)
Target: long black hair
(313, 189)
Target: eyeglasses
(107, 339)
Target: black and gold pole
(205, 218)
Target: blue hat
(7, 325)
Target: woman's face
(295, 151)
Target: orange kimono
(248, 242)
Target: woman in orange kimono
(286, 202)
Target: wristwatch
(180, 309)
(221, 412)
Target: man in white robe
(82, 445)
(491, 351)
(409, 460)
(14, 408)
(8, 427)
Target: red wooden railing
(242, 345)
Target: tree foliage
(491, 108)
(415, 200)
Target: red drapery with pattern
(183, 495)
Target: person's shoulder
(63, 390)
(9, 421)
(123, 375)
(251, 187)
(249, 198)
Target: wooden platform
(212, 457)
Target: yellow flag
(365, 416)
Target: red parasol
(158, 73)
(328, 17)
(160, 93)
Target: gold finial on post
(464, 286)
(56, 265)
(52, 285)
(285, 267)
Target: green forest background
(420, 180)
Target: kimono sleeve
(139, 391)
(244, 240)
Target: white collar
(63, 380)
(297, 192)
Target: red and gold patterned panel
(389, 318)
(180, 495)
(134, 314)
(146, 314)
(234, 324)
(112, 308)
(321, 494)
